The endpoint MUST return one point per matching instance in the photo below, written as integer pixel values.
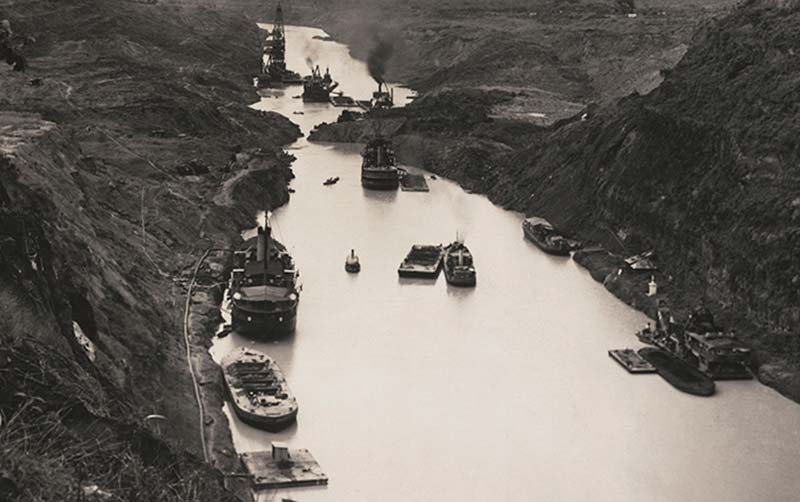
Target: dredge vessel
(273, 70)
(257, 390)
(317, 88)
(459, 268)
(379, 169)
(701, 343)
(264, 288)
(422, 261)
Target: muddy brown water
(411, 390)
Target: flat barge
(678, 373)
(258, 391)
(631, 361)
(422, 261)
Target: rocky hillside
(124, 150)
(703, 170)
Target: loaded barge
(542, 233)
(264, 289)
(422, 261)
(258, 391)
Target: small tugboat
(351, 264)
(258, 391)
(542, 233)
(422, 261)
(678, 373)
(459, 269)
(331, 181)
(317, 87)
(379, 169)
(264, 288)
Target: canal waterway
(414, 391)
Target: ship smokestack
(380, 155)
(261, 245)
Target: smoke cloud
(379, 57)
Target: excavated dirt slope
(127, 150)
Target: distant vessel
(331, 181)
(274, 71)
(382, 99)
(678, 373)
(544, 235)
(264, 289)
(459, 269)
(317, 87)
(422, 261)
(258, 391)
(352, 264)
(379, 169)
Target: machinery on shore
(700, 343)
(273, 70)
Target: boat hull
(352, 268)
(461, 278)
(428, 273)
(541, 244)
(264, 325)
(678, 373)
(389, 183)
(269, 424)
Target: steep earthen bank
(128, 150)
(699, 170)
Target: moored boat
(379, 169)
(679, 373)
(542, 233)
(257, 390)
(264, 289)
(459, 267)
(351, 263)
(422, 261)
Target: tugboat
(317, 88)
(542, 233)
(351, 264)
(264, 289)
(258, 391)
(459, 269)
(382, 100)
(274, 71)
(422, 261)
(379, 169)
(678, 373)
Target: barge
(542, 233)
(459, 268)
(422, 261)
(264, 289)
(631, 361)
(258, 391)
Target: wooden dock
(631, 361)
(294, 468)
(414, 183)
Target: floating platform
(631, 361)
(414, 183)
(283, 468)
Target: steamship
(317, 88)
(379, 169)
(264, 288)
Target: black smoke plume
(379, 56)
